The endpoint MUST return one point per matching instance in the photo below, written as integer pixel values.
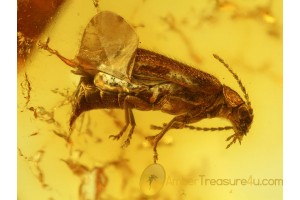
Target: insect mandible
(115, 73)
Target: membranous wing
(108, 45)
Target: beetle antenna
(235, 77)
(208, 129)
(196, 128)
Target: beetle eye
(243, 112)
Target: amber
(56, 163)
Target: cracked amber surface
(56, 164)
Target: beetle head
(241, 119)
(241, 112)
(244, 118)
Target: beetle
(115, 73)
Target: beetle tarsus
(129, 118)
(127, 141)
(232, 142)
(118, 136)
(155, 156)
(234, 138)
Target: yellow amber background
(246, 34)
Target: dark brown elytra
(115, 73)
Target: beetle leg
(129, 103)
(234, 137)
(132, 123)
(127, 121)
(181, 119)
(69, 62)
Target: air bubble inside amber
(152, 179)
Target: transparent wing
(109, 45)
